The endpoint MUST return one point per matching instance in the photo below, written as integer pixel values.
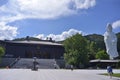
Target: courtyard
(55, 74)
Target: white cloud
(116, 24)
(42, 9)
(38, 9)
(7, 32)
(61, 36)
(85, 4)
(40, 36)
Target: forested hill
(94, 37)
(98, 39)
(27, 38)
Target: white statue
(110, 40)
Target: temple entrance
(42, 55)
(28, 54)
(38, 55)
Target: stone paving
(54, 74)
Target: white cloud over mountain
(37, 9)
(59, 37)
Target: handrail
(14, 62)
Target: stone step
(42, 63)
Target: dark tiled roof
(35, 42)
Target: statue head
(109, 27)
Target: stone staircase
(42, 63)
(7, 62)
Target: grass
(114, 74)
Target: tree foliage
(118, 43)
(102, 55)
(92, 49)
(76, 50)
(97, 41)
(1, 51)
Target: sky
(58, 19)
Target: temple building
(43, 49)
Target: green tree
(76, 50)
(2, 51)
(92, 49)
(118, 42)
(102, 55)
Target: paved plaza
(54, 74)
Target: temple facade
(29, 49)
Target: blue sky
(58, 19)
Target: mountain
(27, 38)
(98, 39)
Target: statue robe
(110, 40)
